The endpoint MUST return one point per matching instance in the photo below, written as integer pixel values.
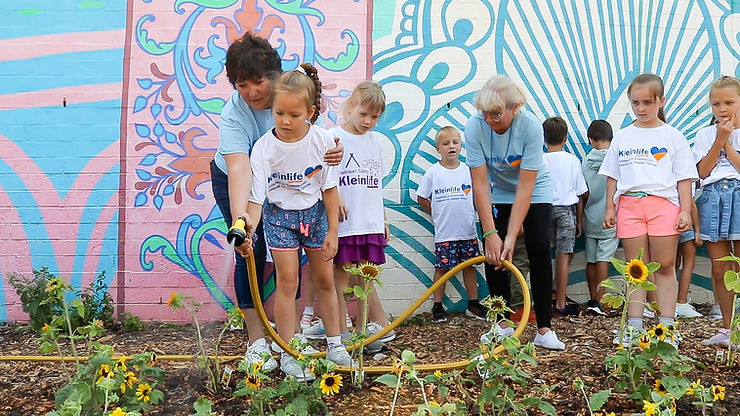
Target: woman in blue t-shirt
(252, 65)
(504, 151)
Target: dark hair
(658, 89)
(305, 83)
(556, 130)
(600, 131)
(250, 58)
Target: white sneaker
(255, 353)
(339, 356)
(496, 334)
(306, 350)
(290, 367)
(549, 341)
(630, 334)
(316, 330)
(306, 320)
(721, 338)
(687, 310)
(648, 313)
(716, 312)
(374, 327)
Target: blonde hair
(303, 82)
(725, 81)
(499, 93)
(368, 93)
(445, 131)
(658, 90)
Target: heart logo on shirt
(310, 171)
(465, 188)
(658, 153)
(514, 160)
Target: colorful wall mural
(109, 115)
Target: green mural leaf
(344, 60)
(211, 4)
(151, 46)
(213, 105)
(158, 243)
(295, 7)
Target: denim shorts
(563, 229)
(719, 211)
(289, 229)
(685, 236)
(600, 249)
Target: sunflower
(330, 384)
(173, 299)
(397, 367)
(660, 388)
(105, 372)
(694, 385)
(129, 379)
(253, 382)
(437, 374)
(718, 392)
(650, 409)
(121, 364)
(257, 367)
(311, 367)
(635, 271)
(432, 403)
(54, 286)
(45, 328)
(118, 412)
(644, 341)
(143, 392)
(495, 304)
(370, 271)
(659, 331)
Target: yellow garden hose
(387, 369)
(367, 369)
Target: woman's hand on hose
(494, 246)
(507, 253)
(247, 247)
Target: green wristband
(487, 233)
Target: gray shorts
(600, 249)
(563, 234)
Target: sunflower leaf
(609, 284)
(729, 258)
(611, 300)
(653, 266)
(732, 282)
(618, 264)
(647, 285)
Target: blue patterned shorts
(451, 253)
(290, 229)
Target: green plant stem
(61, 355)
(587, 403)
(105, 408)
(365, 307)
(68, 318)
(218, 346)
(421, 383)
(730, 350)
(203, 349)
(395, 395)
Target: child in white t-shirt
(569, 193)
(295, 193)
(363, 231)
(445, 192)
(649, 170)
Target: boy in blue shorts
(445, 192)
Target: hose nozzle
(237, 233)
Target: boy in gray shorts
(569, 191)
(601, 243)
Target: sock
(437, 305)
(635, 322)
(666, 320)
(308, 310)
(472, 302)
(333, 342)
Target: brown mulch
(27, 388)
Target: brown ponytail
(658, 89)
(304, 81)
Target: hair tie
(301, 70)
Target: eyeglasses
(493, 115)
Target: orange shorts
(649, 215)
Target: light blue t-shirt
(240, 128)
(520, 147)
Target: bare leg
(471, 283)
(376, 313)
(253, 323)
(663, 250)
(341, 282)
(286, 270)
(632, 247)
(439, 294)
(562, 263)
(687, 252)
(723, 296)
(322, 273)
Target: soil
(28, 388)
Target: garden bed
(28, 388)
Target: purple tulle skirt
(361, 247)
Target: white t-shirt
(650, 160)
(451, 194)
(292, 175)
(567, 178)
(361, 182)
(723, 169)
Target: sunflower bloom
(370, 271)
(636, 271)
(118, 412)
(437, 373)
(644, 341)
(659, 332)
(143, 392)
(330, 384)
(650, 409)
(253, 382)
(311, 367)
(397, 367)
(660, 388)
(121, 364)
(495, 304)
(718, 392)
(129, 379)
(172, 300)
(257, 367)
(45, 328)
(105, 372)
